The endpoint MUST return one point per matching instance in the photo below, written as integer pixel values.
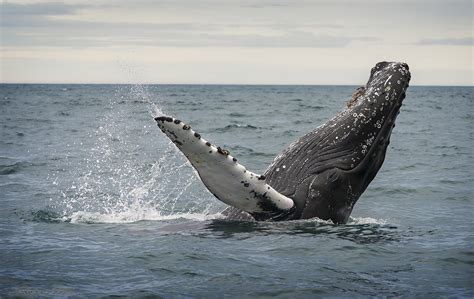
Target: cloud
(34, 14)
(92, 34)
(468, 41)
(288, 39)
(37, 25)
(43, 9)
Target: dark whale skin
(326, 171)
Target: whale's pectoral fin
(228, 180)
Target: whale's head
(327, 170)
(365, 127)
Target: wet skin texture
(327, 170)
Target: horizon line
(216, 84)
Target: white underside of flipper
(228, 180)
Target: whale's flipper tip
(163, 118)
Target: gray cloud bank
(468, 41)
(46, 25)
(37, 24)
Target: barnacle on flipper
(357, 93)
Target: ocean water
(95, 201)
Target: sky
(332, 42)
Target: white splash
(117, 181)
(132, 216)
(366, 220)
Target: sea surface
(96, 202)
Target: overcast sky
(234, 42)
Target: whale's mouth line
(388, 125)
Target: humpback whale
(322, 174)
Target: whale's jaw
(327, 170)
(322, 174)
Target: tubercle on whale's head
(401, 67)
(387, 85)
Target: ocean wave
(310, 107)
(360, 230)
(16, 167)
(237, 114)
(238, 127)
(246, 151)
(352, 221)
(366, 220)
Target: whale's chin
(322, 174)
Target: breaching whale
(322, 174)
